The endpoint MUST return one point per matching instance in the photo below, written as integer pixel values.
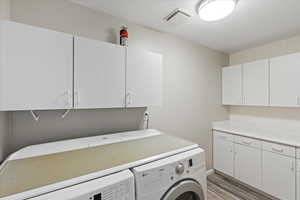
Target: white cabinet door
(256, 83)
(279, 176)
(36, 67)
(248, 165)
(232, 85)
(298, 179)
(143, 78)
(284, 80)
(223, 153)
(99, 74)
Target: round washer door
(185, 190)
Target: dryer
(178, 177)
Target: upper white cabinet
(284, 80)
(273, 82)
(35, 68)
(256, 83)
(99, 74)
(223, 153)
(232, 85)
(143, 78)
(42, 69)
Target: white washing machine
(178, 177)
(118, 186)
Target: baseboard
(210, 171)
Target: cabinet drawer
(223, 136)
(279, 149)
(298, 153)
(248, 142)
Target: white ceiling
(254, 22)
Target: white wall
(191, 86)
(4, 140)
(277, 48)
(4, 9)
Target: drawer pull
(277, 150)
(246, 143)
(223, 137)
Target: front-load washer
(178, 177)
(118, 186)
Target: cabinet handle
(128, 99)
(69, 97)
(277, 150)
(76, 95)
(292, 166)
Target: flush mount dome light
(212, 10)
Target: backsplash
(24, 130)
(272, 117)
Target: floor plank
(217, 193)
(222, 188)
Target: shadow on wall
(78, 123)
(112, 36)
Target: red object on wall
(123, 36)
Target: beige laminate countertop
(30, 173)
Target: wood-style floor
(222, 188)
(214, 192)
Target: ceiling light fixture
(213, 10)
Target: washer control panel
(179, 168)
(117, 192)
(162, 174)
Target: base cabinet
(279, 175)
(223, 153)
(248, 165)
(266, 166)
(298, 179)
